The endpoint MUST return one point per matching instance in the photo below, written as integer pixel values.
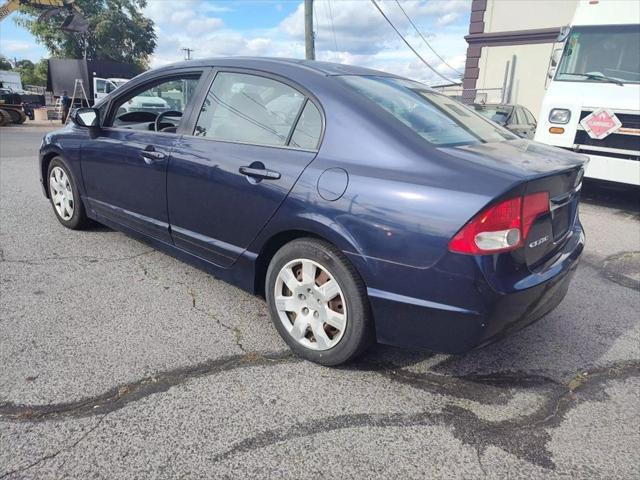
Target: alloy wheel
(310, 304)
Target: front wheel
(318, 302)
(64, 195)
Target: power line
(425, 40)
(333, 30)
(409, 45)
(187, 52)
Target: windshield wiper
(599, 76)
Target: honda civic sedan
(363, 206)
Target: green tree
(32, 74)
(5, 64)
(117, 31)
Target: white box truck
(592, 103)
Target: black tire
(23, 117)
(14, 115)
(5, 118)
(359, 332)
(79, 218)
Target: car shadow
(611, 195)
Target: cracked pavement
(119, 361)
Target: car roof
(510, 105)
(279, 65)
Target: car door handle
(261, 173)
(151, 156)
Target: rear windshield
(441, 120)
(495, 113)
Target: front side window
(440, 120)
(165, 100)
(601, 54)
(249, 109)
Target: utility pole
(309, 37)
(187, 52)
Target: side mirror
(86, 117)
(555, 56)
(564, 33)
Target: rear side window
(530, 118)
(249, 109)
(309, 128)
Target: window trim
(308, 96)
(144, 83)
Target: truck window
(609, 50)
(101, 86)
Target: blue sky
(346, 31)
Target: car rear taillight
(501, 227)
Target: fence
(480, 95)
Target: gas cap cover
(333, 183)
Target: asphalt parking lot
(118, 361)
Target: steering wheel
(168, 113)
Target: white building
(510, 47)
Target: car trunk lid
(551, 230)
(535, 168)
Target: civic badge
(540, 241)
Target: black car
(513, 117)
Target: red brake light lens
(501, 227)
(533, 206)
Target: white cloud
(13, 46)
(447, 19)
(199, 26)
(346, 31)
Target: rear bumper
(416, 323)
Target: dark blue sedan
(362, 205)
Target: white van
(592, 104)
(145, 102)
(104, 86)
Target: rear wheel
(64, 195)
(318, 302)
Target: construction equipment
(11, 109)
(73, 22)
